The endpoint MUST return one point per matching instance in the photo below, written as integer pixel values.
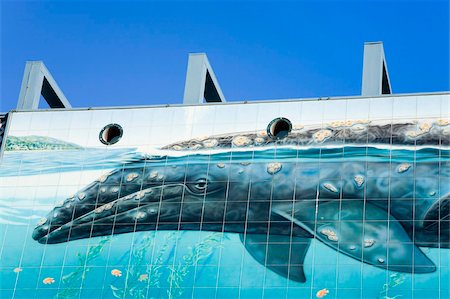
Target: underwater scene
(353, 209)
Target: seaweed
(137, 281)
(395, 279)
(200, 251)
(71, 281)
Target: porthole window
(279, 128)
(110, 134)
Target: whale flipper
(362, 231)
(282, 254)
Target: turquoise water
(180, 264)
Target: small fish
(143, 277)
(48, 280)
(322, 293)
(116, 273)
(17, 270)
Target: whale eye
(200, 184)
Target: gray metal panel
(375, 80)
(37, 80)
(4, 128)
(201, 82)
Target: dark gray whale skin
(378, 213)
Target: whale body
(352, 186)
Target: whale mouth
(134, 212)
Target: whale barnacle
(369, 242)
(330, 187)
(140, 215)
(41, 221)
(99, 209)
(131, 176)
(425, 127)
(403, 167)
(443, 122)
(195, 147)
(103, 178)
(241, 141)
(81, 195)
(259, 140)
(220, 165)
(297, 127)
(140, 195)
(261, 134)
(108, 206)
(274, 167)
(321, 135)
(153, 175)
(359, 180)
(208, 143)
(330, 234)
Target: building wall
(198, 202)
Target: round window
(279, 128)
(110, 134)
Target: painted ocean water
(179, 264)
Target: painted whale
(335, 184)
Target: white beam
(201, 82)
(37, 80)
(375, 79)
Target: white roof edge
(241, 102)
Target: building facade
(315, 198)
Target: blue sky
(113, 53)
